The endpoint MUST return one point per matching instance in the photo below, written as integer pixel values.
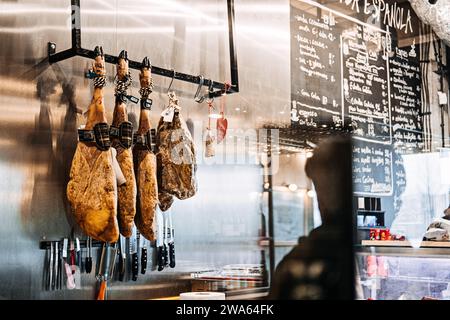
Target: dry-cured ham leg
(92, 189)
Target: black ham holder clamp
(77, 50)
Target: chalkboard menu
(345, 66)
(405, 79)
(316, 54)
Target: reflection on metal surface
(38, 132)
(128, 31)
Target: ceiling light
(311, 193)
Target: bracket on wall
(77, 50)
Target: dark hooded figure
(321, 265)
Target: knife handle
(102, 291)
(143, 260)
(54, 268)
(121, 268)
(78, 263)
(160, 258)
(88, 265)
(72, 260)
(166, 256)
(134, 266)
(172, 254)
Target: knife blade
(47, 269)
(143, 246)
(166, 239)
(160, 239)
(70, 281)
(88, 260)
(106, 268)
(78, 252)
(134, 255)
(171, 241)
(64, 249)
(122, 257)
(50, 281)
(102, 275)
(61, 264)
(56, 277)
(72, 256)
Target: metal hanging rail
(77, 50)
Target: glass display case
(403, 273)
(411, 268)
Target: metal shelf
(77, 50)
(406, 278)
(266, 243)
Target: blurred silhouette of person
(321, 265)
(47, 212)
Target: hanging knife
(72, 256)
(47, 270)
(122, 257)
(50, 280)
(64, 250)
(171, 242)
(78, 252)
(166, 237)
(56, 277)
(143, 246)
(70, 282)
(61, 264)
(134, 255)
(160, 239)
(106, 268)
(88, 261)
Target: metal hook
(210, 91)
(197, 97)
(173, 77)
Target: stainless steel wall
(38, 121)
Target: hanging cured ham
(175, 156)
(121, 133)
(145, 160)
(92, 189)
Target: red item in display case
(385, 234)
(372, 266)
(382, 268)
(374, 234)
(380, 234)
(397, 237)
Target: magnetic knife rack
(45, 244)
(77, 50)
